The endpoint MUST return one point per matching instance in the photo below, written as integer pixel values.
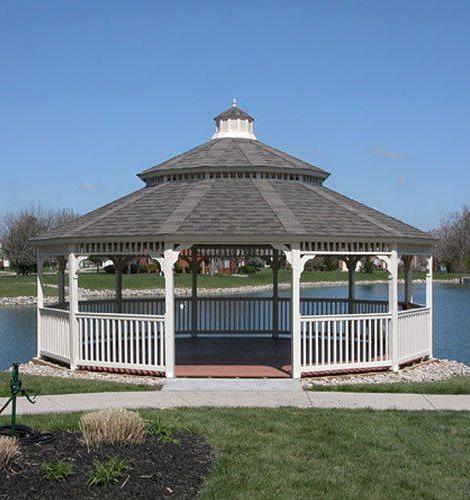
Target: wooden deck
(233, 357)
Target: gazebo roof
(236, 189)
(230, 152)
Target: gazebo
(234, 196)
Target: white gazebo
(234, 196)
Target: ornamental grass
(112, 426)
(9, 451)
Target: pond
(451, 320)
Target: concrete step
(231, 384)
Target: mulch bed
(155, 469)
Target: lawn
(11, 286)
(293, 453)
(37, 385)
(457, 385)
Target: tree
(453, 247)
(18, 229)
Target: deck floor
(232, 357)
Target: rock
(428, 371)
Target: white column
(429, 300)
(61, 279)
(73, 264)
(296, 265)
(275, 311)
(170, 256)
(194, 305)
(393, 308)
(40, 300)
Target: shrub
(108, 472)
(161, 431)
(57, 470)
(367, 266)
(9, 451)
(248, 270)
(112, 426)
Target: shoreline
(84, 293)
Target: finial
(234, 103)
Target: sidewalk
(241, 398)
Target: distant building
(4, 262)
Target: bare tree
(453, 248)
(18, 229)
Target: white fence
(122, 341)
(54, 334)
(342, 342)
(414, 334)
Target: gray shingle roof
(234, 112)
(236, 207)
(232, 152)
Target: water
(451, 320)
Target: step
(231, 384)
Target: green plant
(161, 431)
(105, 473)
(367, 266)
(112, 426)
(248, 269)
(57, 470)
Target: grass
(12, 286)
(57, 470)
(37, 385)
(295, 453)
(107, 472)
(456, 385)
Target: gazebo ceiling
(235, 187)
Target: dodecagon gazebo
(235, 196)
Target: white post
(73, 262)
(393, 308)
(429, 300)
(407, 262)
(296, 265)
(61, 279)
(40, 300)
(170, 256)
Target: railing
(338, 342)
(54, 331)
(234, 315)
(130, 334)
(413, 334)
(122, 341)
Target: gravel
(45, 369)
(428, 371)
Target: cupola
(234, 122)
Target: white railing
(233, 315)
(343, 342)
(54, 335)
(121, 341)
(413, 334)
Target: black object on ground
(154, 469)
(26, 435)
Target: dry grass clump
(112, 426)
(9, 451)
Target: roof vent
(234, 123)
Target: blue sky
(377, 93)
